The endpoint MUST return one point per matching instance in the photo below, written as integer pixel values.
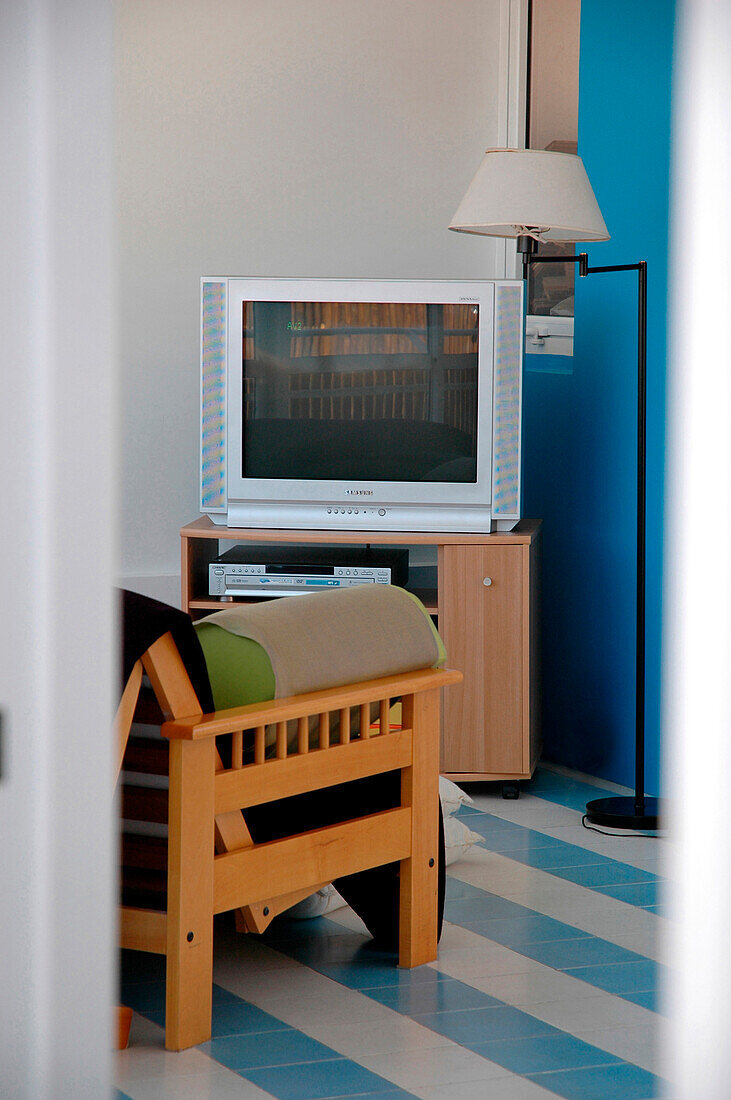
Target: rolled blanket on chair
(319, 641)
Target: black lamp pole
(626, 812)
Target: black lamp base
(624, 813)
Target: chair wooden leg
(189, 986)
(124, 1022)
(419, 875)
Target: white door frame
(58, 508)
(514, 62)
(697, 627)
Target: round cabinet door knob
(487, 581)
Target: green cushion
(238, 668)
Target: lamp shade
(519, 192)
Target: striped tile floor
(548, 981)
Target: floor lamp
(531, 196)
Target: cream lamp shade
(529, 192)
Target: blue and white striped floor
(547, 982)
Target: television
(364, 405)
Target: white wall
(281, 137)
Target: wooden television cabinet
(487, 606)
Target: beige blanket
(328, 639)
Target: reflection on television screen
(360, 391)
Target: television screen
(360, 391)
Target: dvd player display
(262, 571)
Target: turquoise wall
(580, 427)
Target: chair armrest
(199, 726)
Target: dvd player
(262, 571)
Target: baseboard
(158, 586)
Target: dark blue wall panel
(580, 428)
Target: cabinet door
(481, 619)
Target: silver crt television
(364, 405)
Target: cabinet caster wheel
(511, 789)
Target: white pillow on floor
(452, 796)
(317, 904)
(458, 839)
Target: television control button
(381, 511)
(329, 511)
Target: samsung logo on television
(469, 299)
(359, 492)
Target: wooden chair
(214, 866)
